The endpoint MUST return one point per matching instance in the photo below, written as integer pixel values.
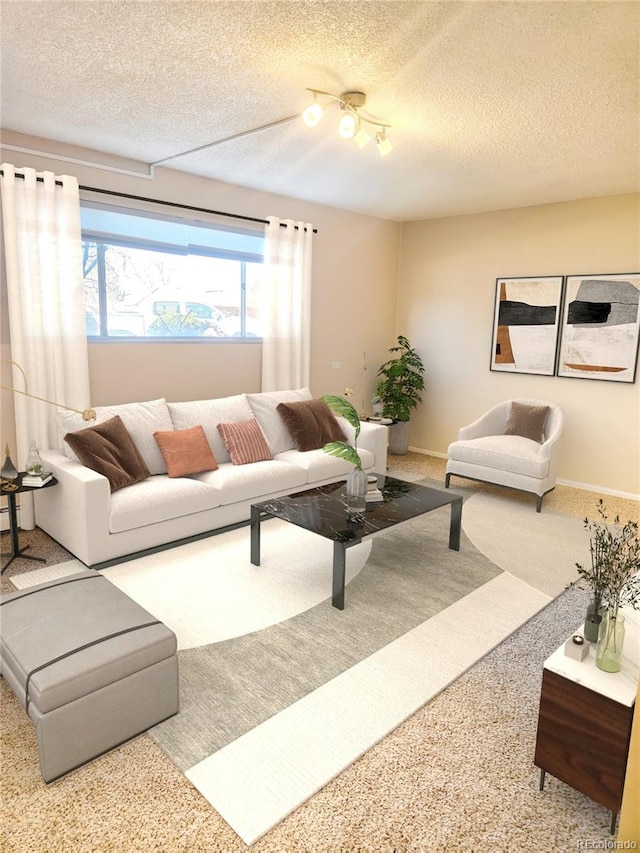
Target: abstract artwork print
(600, 324)
(526, 320)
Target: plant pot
(610, 642)
(592, 621)
(399, 438)
(356, 492)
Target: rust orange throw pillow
(185, 451)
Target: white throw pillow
(208, 414)
(264, 405)
(140, 419)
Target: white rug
(208, 591)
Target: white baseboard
(588, 487)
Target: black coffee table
(323, 511)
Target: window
(149, 276)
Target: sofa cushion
(319, 466)
(210, 413)
(255, 482)
(159, 499)
(310, 423)
(263, 406)
(527, 421)
(245, 442)
(140, 419)
(505, 452)
(109, 449)
(185, 451)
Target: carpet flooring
(457, 774)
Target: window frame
(102, 242)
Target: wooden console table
(584, 721)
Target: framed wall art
(600, 325)
(526, 320)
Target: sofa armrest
(75, 512)
(373, 437)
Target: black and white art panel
(525, 324)
(600, 325)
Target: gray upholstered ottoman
(91, 667)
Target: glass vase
(34, 466)
(356, 492)
(592, 620)
(610, 641)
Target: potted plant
(614, 577)
(357, 479)
(400, 388)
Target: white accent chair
(483, 452)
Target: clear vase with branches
(614, 577)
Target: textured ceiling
(492, 105)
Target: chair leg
(539, 502)
(446, 481)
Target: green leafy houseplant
(343, 449)
(401, 381)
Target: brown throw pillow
(245, 442)
(528, 421)
(185, 451)
(109, 449)
(311, 424)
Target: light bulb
(362, 138)
(384, 145)
(347, 126)
(312, 115)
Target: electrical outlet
(336, 365)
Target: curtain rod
(167, 203)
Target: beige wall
(445, 306)
(353, 302)
(442, 300)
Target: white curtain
(43, 258)
(286, 304)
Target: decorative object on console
(576, 648)
(600, 327)
(357, 479)
(352, 121)
(526, 320)
(614, 576)
(8, 473)
(400, 389)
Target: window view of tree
(132, 291)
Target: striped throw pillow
(245, 442)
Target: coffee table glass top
(322, 510)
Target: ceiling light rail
(352, 120)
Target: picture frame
(526, 324)
(600, 329)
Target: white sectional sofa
(99, 526)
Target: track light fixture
(352, 119)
